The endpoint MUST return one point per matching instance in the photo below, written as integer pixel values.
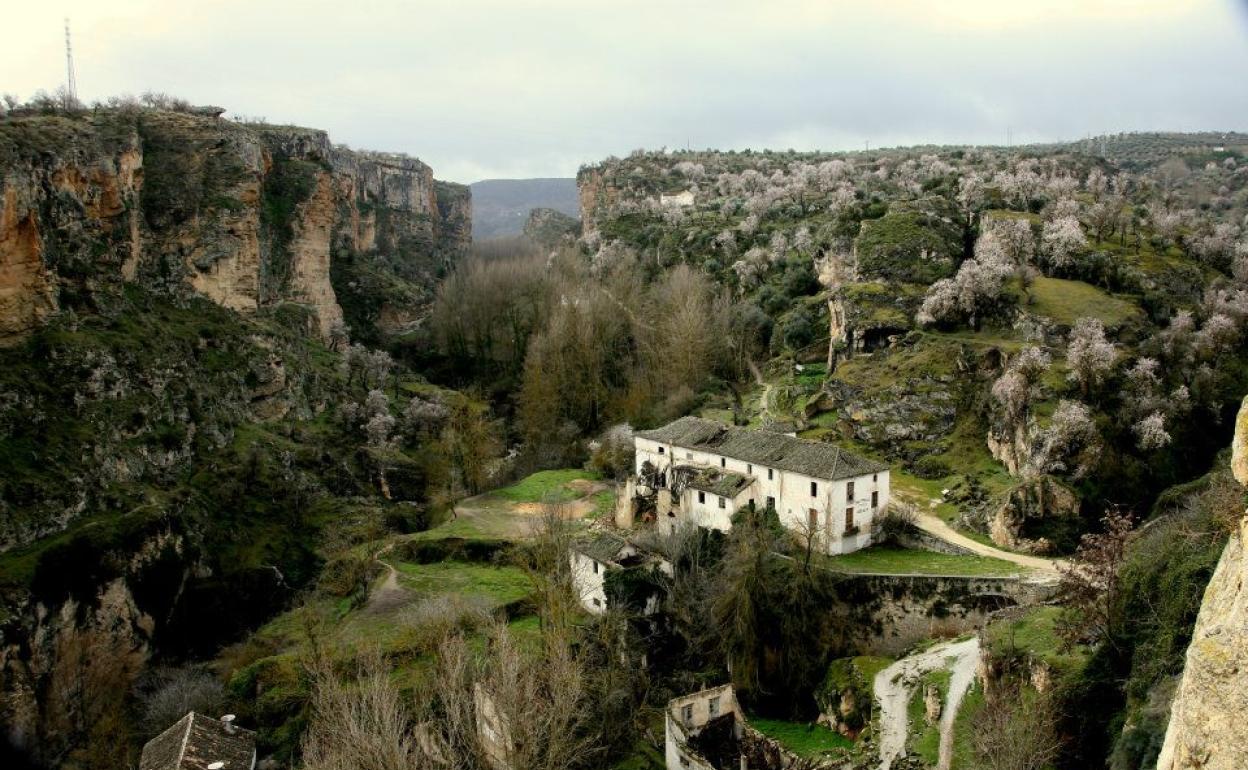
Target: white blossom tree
(1151, 433)
(1018, 386)
(1062, 240)
(1089, 354)
(1071, 442)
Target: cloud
(483, 88)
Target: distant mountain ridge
(500, 207)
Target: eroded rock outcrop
(596, 195)
(249, 216)
(548, 227)
(1031, 503)
(1206, 720)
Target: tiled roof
(774, 450)
(195, 741)
(601, 546)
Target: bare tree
(177, 691)
(1015, 730)
(510, 708)
(1089, 584)
(360, 724)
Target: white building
(712, 470)
(594, 556)
(688, 716)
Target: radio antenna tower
(72, 83)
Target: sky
(522, 88)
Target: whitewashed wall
(790, 492)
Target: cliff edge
(250, 216)
(1206, 720)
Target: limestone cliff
(596, 195)
(548, 227)
(249, 216)
(1206, 720)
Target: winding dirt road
(895, 685)
(1043, 569)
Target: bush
(798, 331)
(428, 623)
(171, 693)
(931, 467)
(896, 522)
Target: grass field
(805, 740)
(1068, 301)
(546, 487)
(1034, 632)
(882, 560)
(498, 584)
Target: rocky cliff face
(548, 228)
(1206, 720)
(249, 216)
(595, 194)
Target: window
(701, 497)
(712, 706)
(686, 713)
(751, 503)
(875, 500)
(662, 450)
(723, 462)
(814, 489)
(849, 492)
(595, 568)
(875, 477)
(813, 517)
(849, 519)
(597, 602)
(771, 503)
(769, 474)
(749, 469)
(723, 503)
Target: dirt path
(962, 676)
(895, 685)
(387, 594)
(764, 399)
(1043, 569)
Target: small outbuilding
(197, 742)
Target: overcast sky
(513, 88)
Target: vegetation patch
(888, 560)
(803, 739)
(1067, 301)
(501, 585)
(547, 487)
